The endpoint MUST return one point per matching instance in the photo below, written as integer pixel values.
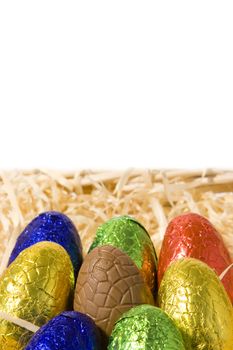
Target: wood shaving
(223, 274)
(89, 198)
(19, 322)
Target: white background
(115, 84)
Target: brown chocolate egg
(130, 236)
(109, 284)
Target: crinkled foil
(132, 238)
(68, 331)
(145, 327)
(194, 297)
(54, 227)
(192, 235)
(35, 287)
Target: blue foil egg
(69, 330)
(55, 227)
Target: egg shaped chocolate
(131, 237)
(145, 327)
(37, 286)
(68, 331)
(194, 297)
(192, 235)
(55, 227)
(109, 284)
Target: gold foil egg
(194, 297)
(37, 286)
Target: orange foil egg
(191, 235)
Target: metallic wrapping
(37, 286)
(68, 331)
(145, 327)
(192, 235)
(132, 238)
(54, 227)
(193, 296)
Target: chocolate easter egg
(145, 327)
(131, 237)
(109, 283)
(37, 286)
(194, 297)
(191, 235)
(55, 227)
(68, 331)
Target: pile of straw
(89, 198)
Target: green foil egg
(131, 237)
(36, 287)
(145, 327)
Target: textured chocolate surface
(192, 235)
(127, 234)
(193, 296)
(109, 284)
(145, 327)
(35, 287)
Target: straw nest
(90, 197)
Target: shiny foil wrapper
(192, 235)
(145, 327)
(54, 227)
(68, 331)
(132, 238)
(194, 297)
(37, 286)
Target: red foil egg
(192, 235)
